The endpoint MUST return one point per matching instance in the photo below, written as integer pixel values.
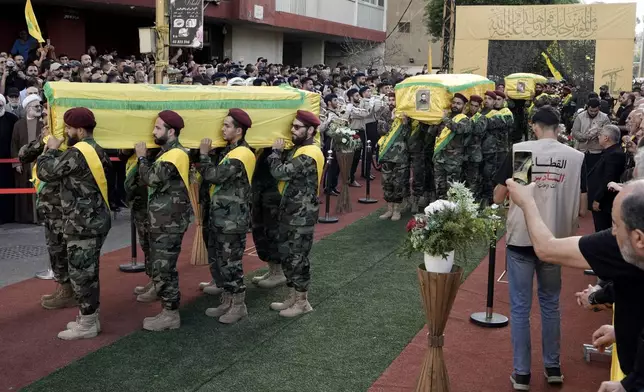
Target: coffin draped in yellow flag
(125, 113)
(32, 23)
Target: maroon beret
(308, 118)
(490, 94)
(499, 94)
(172, 119)
(80, 118)
(461, 97)
(241, 117)
(476, 98)
(566, 88)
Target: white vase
(439, 264)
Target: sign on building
(186, 23)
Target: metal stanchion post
(327, 218)
(133, 266)
(367, 199)
(489, 319)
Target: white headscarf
(29, 99)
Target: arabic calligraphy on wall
(539, 22)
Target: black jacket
(609, 168)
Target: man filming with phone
(560, 192)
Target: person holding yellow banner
(82, 172)
(229, 184)
(170, 210)
(299, 176)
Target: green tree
(434, 10)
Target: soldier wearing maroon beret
(229, 183)
(299, 176)
(169, 211)
(473, 153)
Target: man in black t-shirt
(617, 256)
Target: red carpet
(29, 348)
(480, 359)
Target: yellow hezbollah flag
(32, 23)
(552, 68)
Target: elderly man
(25, 131)
(7, 123)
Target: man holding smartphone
(557, 171)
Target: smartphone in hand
(522, 167)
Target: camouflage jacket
(136, 192)
(473, 152)
(169, 205)
(397, 150)
(453, 152)
(299, 205)
(503, 132)
(85, 212)
(230, 202)
(488, 141)
(416, 142)
(383, 117)
(48, 204)
(263, 182)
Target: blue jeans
(521, 268)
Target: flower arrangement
(345, 139)
(450, 225)
(564, 137)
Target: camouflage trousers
(205, 230)
(395, 181)
(417, 165)
(444, 173)
(265, 214)
(142, 223)
(294, 245)
(57, 249)
(472, 177)
(488, 169)
(83, 255)
(430, 184)
(164, 253)
(225, 252)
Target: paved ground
(23, 252)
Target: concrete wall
(339, 11)
(312, 52)
(249, 44)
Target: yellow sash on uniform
(131, 166)
(95, 166)
(446, 135)
(245, 156)
(179, 158)
(385, 142)
(491, 113)
(504, 112)
(313, 152)
(35, 180)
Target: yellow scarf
(387, 140)
(95, 166)
(179, 158)
(313, 152)
(245, 156)
(35, 180)
(131, 166)
(446, 135)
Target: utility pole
(163, 46)
(447, 42)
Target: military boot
(301, 306)
(62, 298)
(404, 206)
(203, 285)
(396, 214)
(143, 289)
(167, 319)
(226, 300)
(151, 295)
(74, 324)
(237, 311)
(422, 203)
(257, 279)
(276, 278)
(85, 328)
(288, 302)
(413, 204)
(213, 289)
(389, 212)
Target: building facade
(296, 32)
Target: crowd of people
(582, 159)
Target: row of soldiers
(280, 192)
(468, 145)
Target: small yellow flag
(552, 68)
(32, 23)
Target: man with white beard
(7, 122)
(615, 254)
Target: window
(379, 3)
(404, 27)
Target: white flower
(344, 140)
(439, 205)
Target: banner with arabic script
(186, 23)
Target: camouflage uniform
(50, 212)
(395, 166)
(229, 218)
(204, 193)
(416, 146)
(265, 211)
(298, 213)
(169, 210)
(448, 163)
(430, 141)
(488, 148)
(473, 154)
(502, 134)
(86, 217)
